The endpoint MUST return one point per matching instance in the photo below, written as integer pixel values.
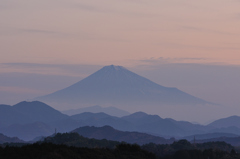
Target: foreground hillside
(72, 145)
(53, 151)
(122, 151)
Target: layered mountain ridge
(27, 120)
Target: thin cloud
(39, 31)
(162, 60)
(191, 28)
(103, 9)
(90, 8)
(237, 16)
(198, 47)
(6, 31)
(49, 69)
(20, 90)
(81, 35)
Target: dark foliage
(55, 151)
(74, 146)
(202, 154)
(184, 145)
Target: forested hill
(74, 139)
(56, 151)
(72, 145)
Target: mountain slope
(28, 112)
(117, 86)
(38, 111)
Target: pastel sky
(193, 45)
(107, 31)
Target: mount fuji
(116, 86)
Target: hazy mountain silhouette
(109, 133)
(231, 129)
(151, 124)
(232, 121)
(98, 109)
(39, 111)
(234, 141)
(209, 136)
(28, 120)
(142, 122)
(28, 112)
(117, 86)
(154, 124)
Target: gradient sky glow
(114, 31)
(192, 45)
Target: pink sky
(45, 41)
(119, 31)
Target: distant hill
(28, 120)
(154, 124)
(107, 132)
(234, 141)
(74, 139)
(4, 139)
(91, 116)
(98, 109)
(142, 122)
(208, 136)
(116, 86)
(28, 112)
(102, 119)
(151, 124)
(232, 121)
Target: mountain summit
(117, 86)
